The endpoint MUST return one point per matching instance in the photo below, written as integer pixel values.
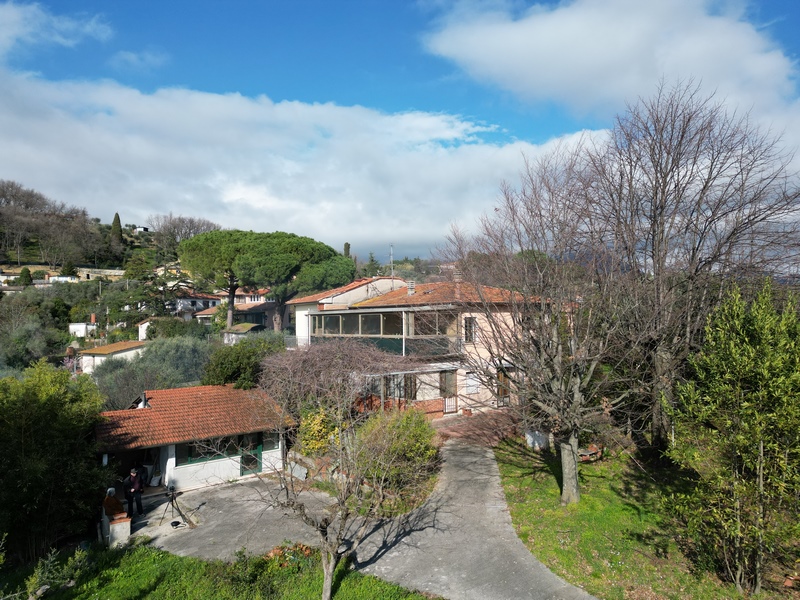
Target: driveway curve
(461, 544)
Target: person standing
(111, 505)
(134, 486)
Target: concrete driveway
(459, 545)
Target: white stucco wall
(210, 472)
(82, 329)
(89, 362)
(301, 323)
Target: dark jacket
(133, 484)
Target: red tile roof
(113, 348)
(447, 292)
(340, 290)
(185, 414)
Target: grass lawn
(613, 542)
(286, 573)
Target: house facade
(188, 304)
(196, 436)
(438, 323)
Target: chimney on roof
(457, 276)
(411, 287)
(93, 319)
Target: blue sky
(374, 123)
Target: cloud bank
(353, 173)
(593, 55)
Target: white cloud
(30, 24)
(594, 55)
(331, 172)
(138, 61)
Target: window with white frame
(470, 329)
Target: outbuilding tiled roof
(185, 414)
(313, 298)
(244, 328)
(243, 307)
(113, 348)
(446, 292)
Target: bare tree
(544, 352)
(685, 194)
(63, 232)
(326, 380)
(20, 209)
(171, 230)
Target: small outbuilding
(94, 357)
(196, 436)
(239, 331)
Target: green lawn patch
(286, 573)
(614, 543)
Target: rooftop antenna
(391, 262)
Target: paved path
(461, 543)
(229, 518)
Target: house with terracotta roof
(337, 299)
(439, 323)
(91, 358)
(195, 436)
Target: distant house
(251, 296)
(190, 303)
(196, 436)
(258, 313)
(82, 330)
(92, 358)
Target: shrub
(400, 446)
(316, 431)
(240, 364)
(168, 327)
(51, 573)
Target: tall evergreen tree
(116, 230)
(25, 277)
(738, 430)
